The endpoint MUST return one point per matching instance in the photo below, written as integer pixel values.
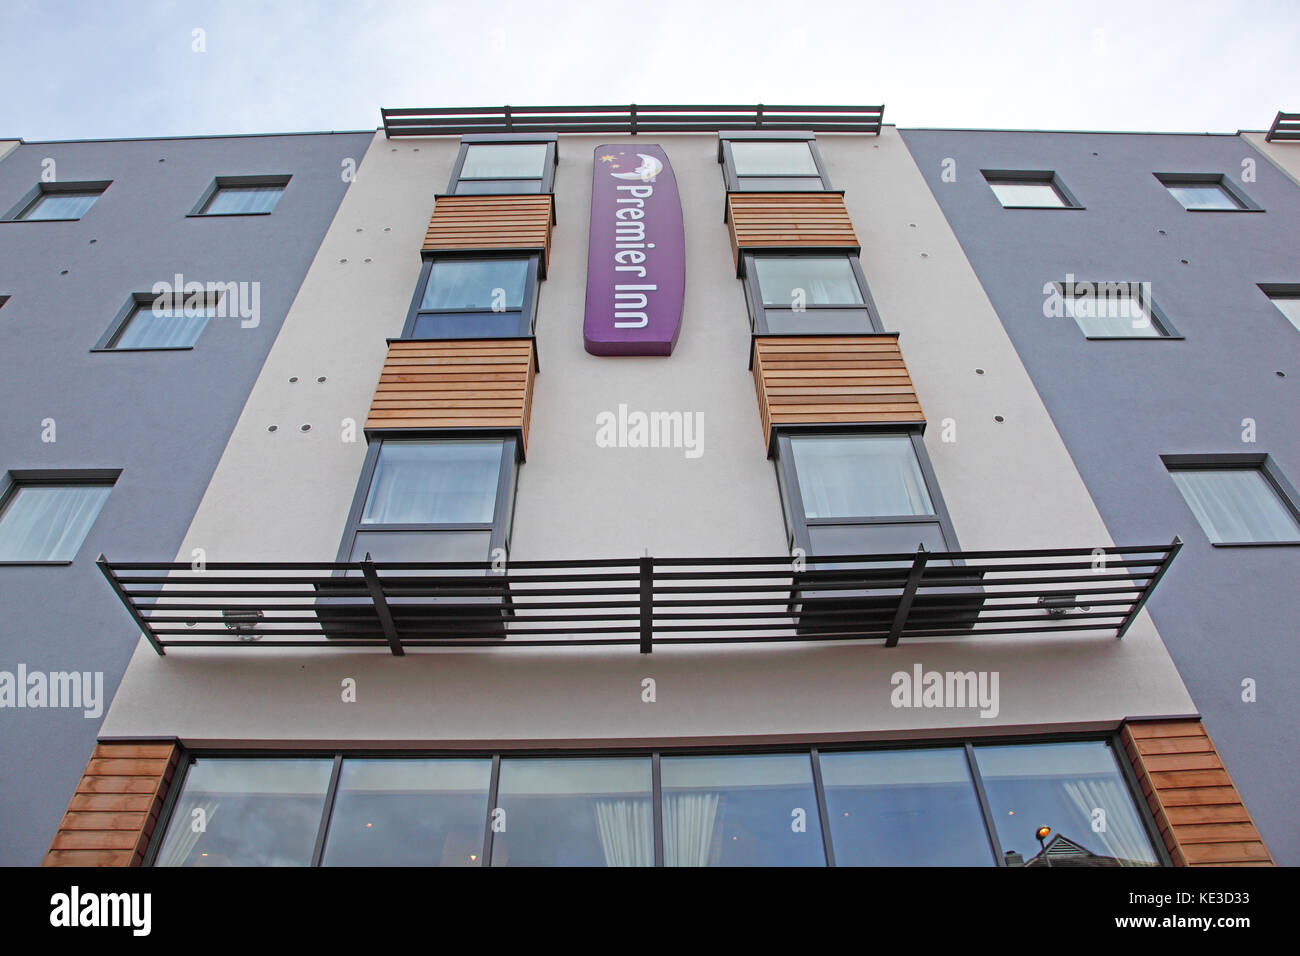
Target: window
(1206, 192)
(149, 322)
(57, 201)
(1115, 310)
(496, 164)
(1029, 189)
(1237, 499)
(767, 162)
(1285, 297)
(802, 294)
(241, 196)
(483, 297)
(44, 518)
(1066, 787)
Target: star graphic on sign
(607, 158)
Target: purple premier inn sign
(636, 259)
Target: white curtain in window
(183, 835)
(434, 483)
(1123, 836)
(504, 161)
(244, 199)
(821, 280)
(49, 522)
(472, 283)
(1112, 315)
(867, 476)
(164, 328)
(62, 206)
(1236, 504)
(688, 828)
(626, 831)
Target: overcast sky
(112, 68)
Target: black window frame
(1222, 180)
(1031, 176)
(732, 180)
(500, 528)
(34, 195)
(134, 303)
(546, 183)
(527, 311)
(224, 182)
(1260, 462)
(15, 478)
(1160, 320)
(1272, 290)
(758, 319)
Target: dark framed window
(1284, 296)
(459, 297)
(1207, 192)
(947, 803)
(241, 196)
(504, 164)
(149, 323)
(1238, 499)
(433, 497)
(1115, 310)
(808, 293)
(1029, 189)
(771, 162)
(46, 515)
(860, 491)
(57, 202)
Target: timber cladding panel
(789, 221)
(1196, 806)
(492, 223)
(833, 380)
(456, 383)
(115, 807)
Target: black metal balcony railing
(647, 602)
(459, 120)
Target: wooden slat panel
(115, 806)
(1196, 806)
(789, 221)
(499, 223)
(833, 379)
(456, 383)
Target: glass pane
(434, 482)
(781, 184)
(574, 812)
(1027, 194)
(1290, 307)
(468, 325)
(247, 812)
(504, 161)
(904, 808)
(841, 321)
(164, 328)
(812, 280)
(1237, 504)
(860, 476)
(49, 522)
(61, 205)
(1111, 309)
(409, 812)
(243, 199)
(497, 187)
(1204, 196)
(1077, 790)
(773, 159)
(495, 284)
(741, 811)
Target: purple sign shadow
(636, 256)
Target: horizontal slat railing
(649, 602)
(632, 118)
(1285, 128)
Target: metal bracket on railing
(382, 609)
(909, 594)
(647, 565)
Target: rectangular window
(804, 294)
(1286, 298)
(1115, 310)
(497, 165)
(45, 520)
(1206, 192)
(159, 322)
(1243, 503)
(241, 196)
(860, 476)
(58, 201)
(1029, 189)
(482, 297)
(769, 163)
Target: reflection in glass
(773, 159)
(1027, 194)
(756, 810)
(817, 280)
(904, 808)
(247, 812)
(60, 205)
(243, 200)
(409, 812)
(856, 476)
(470, 284)
(1205, 196)
(504, 161)
(1077, 790)
(434, 482)
(575, 812)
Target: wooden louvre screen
(492, 224)
(800, 221)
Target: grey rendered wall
(161, 417)
(1226, 614)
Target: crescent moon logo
(646, 172)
